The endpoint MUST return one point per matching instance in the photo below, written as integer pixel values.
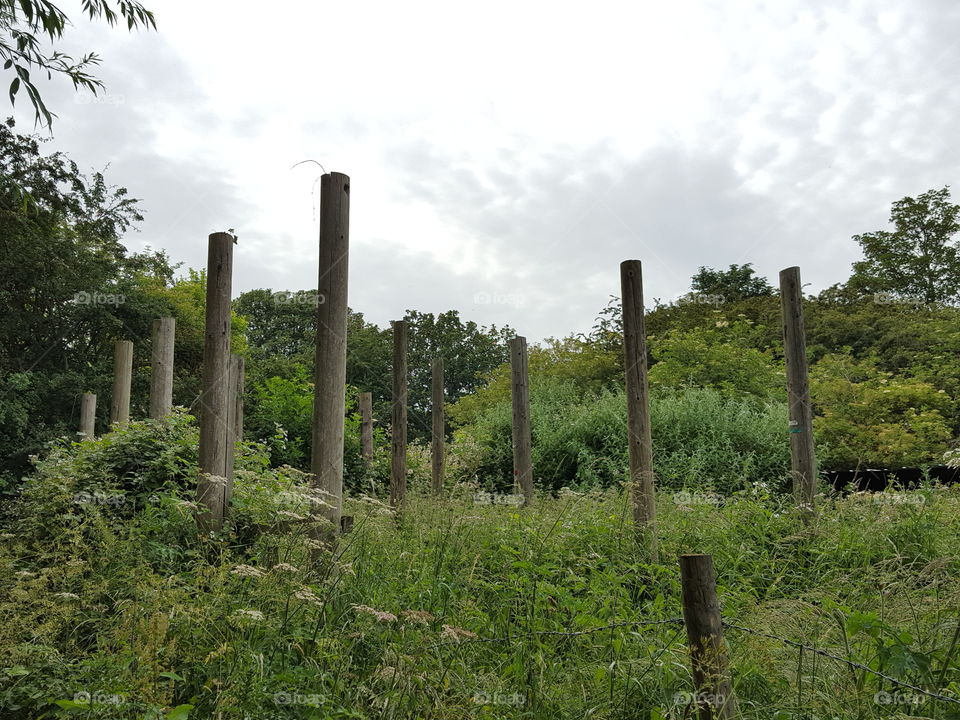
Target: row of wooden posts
(221, 408)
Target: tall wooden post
(234, 422)
(330, 368)
(438, 448)
(522, 444)
(708, 656)
(122, 375)
(398, 430)
(803, 460)
(366, 426)
(88, 416)
(642, 492)
(212, 490)
(161, 361)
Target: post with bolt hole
(122, 375)
(398, 429)
(366, 427)
(713, 692)
(438, 447)
(803, 460)
(88, 416)
(330, 368)
(642, 491)
(212, 491)
(522, 443)
(161, 361)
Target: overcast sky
(504, 159)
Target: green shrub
(700, 438)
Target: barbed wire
(562, 633)
(851, 663)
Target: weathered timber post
(522, 444)
(708, 656)
(438, 446)
(88, 416)
(366, 427)
(161, 361)
(234, 424)
(330, 368)
(803, 460)
(122, 375)
(215, 398)
(642, 491)
(398, 430)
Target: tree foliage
(27, 25)
(919, 259)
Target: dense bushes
(701, 439)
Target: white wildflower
(246, 571)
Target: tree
(737, 283)
(469, 352)
(23, 25)
(920, 258)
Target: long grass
(462, 609)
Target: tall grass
(441, 613)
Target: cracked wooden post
(398, 429)
(88, 416)
(122, 375)
(234, 422)
(803, 460)
(161, 362)
(366, 427)
(522, 443)
(438, 445)
(214, 402)
(713, 690)
(642, 485)
(330, 368)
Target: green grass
(155, 623)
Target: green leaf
(180, 712)
(171, 675)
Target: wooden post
(803, 460)
(88, 416)
(522, 444)
(330, 368)
(366, 426)
(439, 427)
(234, 422)
(708, 656)
(642, 491)
(122, 375)
(398, 430)
(161, 360)
(215, 388)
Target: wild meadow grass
(446, 611)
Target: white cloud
(524, 149)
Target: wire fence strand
(851, 663)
